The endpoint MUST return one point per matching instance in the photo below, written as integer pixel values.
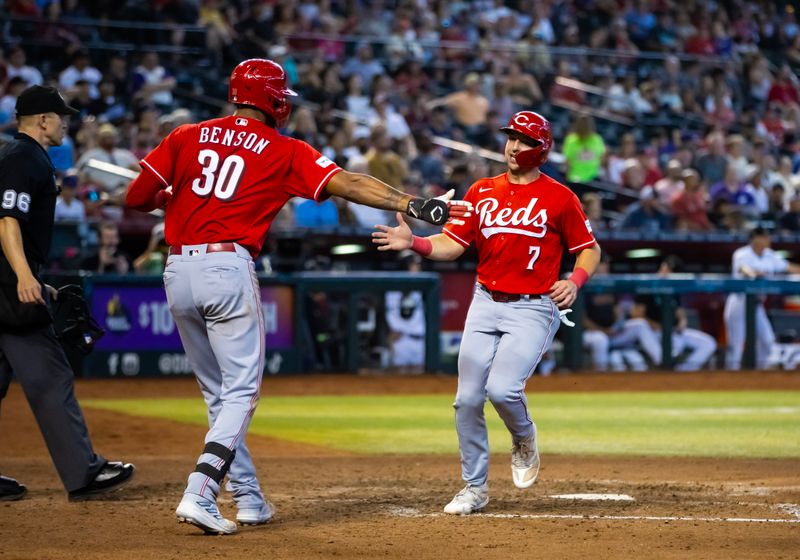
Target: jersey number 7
(534, 251)
(225, 182)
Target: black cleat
(11, 490)
(113, 476)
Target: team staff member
(523, 220)
(28, 346)
(755, 260)
(223, 182)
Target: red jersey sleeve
(463, 232)
(309, 173)
(576, 230)
(161, 161)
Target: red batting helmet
(261, 83)
(536, 127)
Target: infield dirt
(335, 505)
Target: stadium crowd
(668, 116)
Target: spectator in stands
(383, 113)
(312, 214)
(154, 258)
(523, 87)
(646, 216)
(383, 162)
(469, 107)
(690, 206)
(617, 160)
(428, 164)
(790, 221)
(563, 92)
(108, 259)
(107, 152)
(363, 64)
(152, 83)
(593, 208)
(584, 151)
(107, 107)
(16, 66)
(68, 207)
(80, 69)
(117, 73)
(784, 88)
(713, 164)
(671, 185)
(8, 103)
(735, 147)
(738, 193)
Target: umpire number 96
(155, 316)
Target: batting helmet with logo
(261, 83)
(537, 128)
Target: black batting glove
(432, 210)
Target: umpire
(29, 348)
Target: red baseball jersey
(520, 232)
(230, 177)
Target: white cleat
(205, 514)
(470, 500)
(256, 515)
(525, 462)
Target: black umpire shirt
(28, 193)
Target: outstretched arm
(399, 238)
(367, 190)
(146, 192)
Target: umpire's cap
(43, 99)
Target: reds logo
(502, 221)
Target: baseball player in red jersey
(223, 181)
(522, 222)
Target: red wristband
(421, 245)
(579, 276)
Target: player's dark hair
(759, 231)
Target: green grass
(711, 424)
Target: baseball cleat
(113, 476)
(525, 462)
(470, 500)
(205, 514)
(11, 490)
(256, 515)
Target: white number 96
(11, 199)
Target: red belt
(210, 248)
(503, 297)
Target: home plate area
(616, 501)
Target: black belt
(504, 297)
(210, 248)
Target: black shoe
(11, 490)
(113, 476)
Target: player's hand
(563, 293)
(457, 209)
(163, 197)
(393, 238)
(29, 290)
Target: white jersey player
(756, 260)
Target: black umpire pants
(41, 367)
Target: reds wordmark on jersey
(520, 232)
(230, 177)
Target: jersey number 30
(223, 182)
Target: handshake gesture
(438, 210)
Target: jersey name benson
(216, 135)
